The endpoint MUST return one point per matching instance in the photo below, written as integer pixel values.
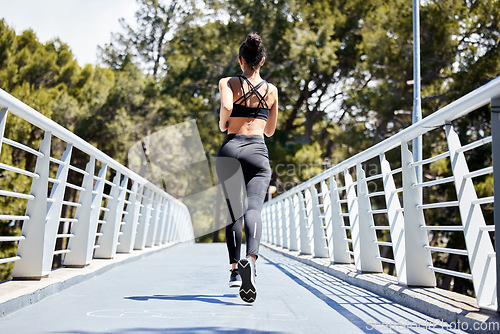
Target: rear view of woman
(249, 110)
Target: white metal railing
(114, 211)
(335, 215)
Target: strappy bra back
(261, 111)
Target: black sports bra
(261, 111)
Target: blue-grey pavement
(184, 289)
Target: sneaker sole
(235, 284)
(248, 292)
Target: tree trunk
(451, 264)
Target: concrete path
(184, 290)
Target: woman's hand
(223, 126)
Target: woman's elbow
(269, 133)
(226, 110)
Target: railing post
(320, 247)
(284, 225)
(396, 220)
(155, 240)
(327, 216)
(167, 213)
(188, 226)
(126, 244)
(367, 236)
(495, 133)
(31, 249)
(418, 258)
(296, 217)
(309, 219)
(352, 208)
(180, 224)
(83, 241)
(270, 229)
(188, 222)
(270, 223)
(279, 223)
(292, 226)
(109, 240)
(274, 227)
(184, 226)
(54, 206)
(178, 227)
(175, 227)
(170, 223)
(308, 205)
(276, 224)
(95, 208)
(477, 241)
(153, 226)
(278, 217)
(340, 253)
(154, 214)
(163, 220)
(305, 244)
(142, 229)
(265, 223)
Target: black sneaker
(248, 291)
(234, 279)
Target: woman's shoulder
(228, 80)
(224, 80)
(236, 77)
(272, 88)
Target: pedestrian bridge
(183, 289)
(327, 242)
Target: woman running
(249, 110)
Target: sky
(82, 24)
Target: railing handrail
(32, 116)
(475, 99)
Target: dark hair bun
(252, 50)
(253, 41)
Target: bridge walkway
(183, 289)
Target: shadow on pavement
(200, 298)
(207, 330)
(366, 310)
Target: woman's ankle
(254, 257)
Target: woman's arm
(226, 103)
(273, 114)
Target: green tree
(144, 45)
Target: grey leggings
(246, 156)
